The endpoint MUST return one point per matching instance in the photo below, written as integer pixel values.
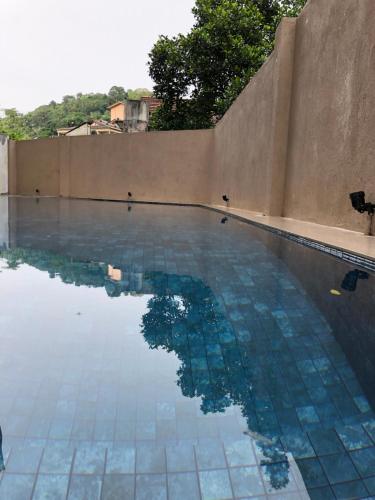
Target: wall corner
(284, 69)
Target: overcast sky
(51, 48)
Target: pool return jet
(358, 200)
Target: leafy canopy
(198, 75)
(13, 125)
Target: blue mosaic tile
(120, 460)
(88, 486)
(324, 493)
(145, 430)
(183, 485)
(118, 487)
(24, 460)
(325, 442)
(215, 485)
(150, 459)
(370, 429)
(312, 473)
(39, 427)
(210, 454)
(246, 481)
(89, 459)
(51, 486)
(307, 415)
(353, 489)
(16, 486)
(125, 430)
(278, 478)
(338, 466)
(180, 457)
(353, 437)
(370, 484)
(364, 460)
(61, 428)
(362, 403)
(239, 452)
(151, 486)
(57, 459)
(298, 444)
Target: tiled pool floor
(158, 353)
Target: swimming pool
(161, 352)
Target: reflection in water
(350, 281)
(2, 466)
(183, 318)
(248, 338)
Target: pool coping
(339, 252)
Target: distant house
(96, 127)
(153, 104)
(117, 111)
(134, 115)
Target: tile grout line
(197, 472)
(104, 473)
(71, 473)
(227, 468)
(37, 473)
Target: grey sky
(50, 48)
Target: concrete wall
(3, 164)
(250, 141)
(37, 167)
(301, 137)
(158, 166)
(331, 149)
(295, 143)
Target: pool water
(155, 352)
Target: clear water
(155, 352)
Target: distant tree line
(72, 111)
(199, 75)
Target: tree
(14, 125)
(136, 94)
(292, 8)
(198, 75)
(117, 94)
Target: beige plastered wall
(295, 143)
(331, 150)
(158, 166)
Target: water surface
(147, 349)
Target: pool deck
(342, 239)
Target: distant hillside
(73, 110)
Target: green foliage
(14, 126)
(198, 75)
(292, 8)
(72, 111)
(117, 94)
(136, 94)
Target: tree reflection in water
(184, 317)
